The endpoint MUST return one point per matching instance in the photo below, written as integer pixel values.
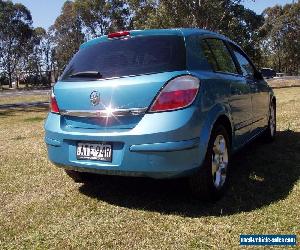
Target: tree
(282, 37)
(68, 34)
(207, 14)
(140, 11)
(35, 53)
(118, 15)
(93, 14)
(47, 47)
(15, 32)
(39, 61)
(225, 16)
(244, 27)
(81, 20)
(102, 16)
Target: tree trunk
(18, 82)
(49, 78)
(279, 63)
(10, 80)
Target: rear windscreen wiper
(89, 74)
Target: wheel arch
(225, 121)
(219, 114)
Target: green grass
(42, 208)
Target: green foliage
(15, 33)
(271, 39)
(86, 19)
(39, 60)
(225, 16)
(282, 38)
(34, 59)
(68, 34)
(102, 16)
(118, 15)
(93, 14)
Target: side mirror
(258, 75)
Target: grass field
(285, 82)
(42, 208)
(21, 99)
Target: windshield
(125, 57)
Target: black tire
(202, 183)
(79, 177)
(269, 135)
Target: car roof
(185, 32)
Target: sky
(44, 12)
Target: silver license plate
(94, 151)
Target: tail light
(179, 93)
(118, 34)
(53, 104)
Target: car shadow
(261, 174)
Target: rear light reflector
(179, 93)
(118, 34)
(53, 104)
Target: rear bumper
(180, 159)
(164, 149)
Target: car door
(227, 73)
(259, 90)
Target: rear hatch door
(117, 75)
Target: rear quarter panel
(213, 102)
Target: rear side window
(218, 56)
(131, 56)
(246, 67)
(209, 55)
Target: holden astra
(159, 104)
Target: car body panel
(119, 93)
(173, 127)
(260, 102)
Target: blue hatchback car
(160, 104)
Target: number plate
(94, 151)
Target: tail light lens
(53, 104)
(179, 93)
(118, 34)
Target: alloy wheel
(219, 161)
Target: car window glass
(221, 55)
(195, 57)
(209, 55)
(246, 67)
(130, 56)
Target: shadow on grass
(261, 174)
(34, 119)
(14, 111)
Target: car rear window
(130, 56)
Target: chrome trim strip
(104, 113)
